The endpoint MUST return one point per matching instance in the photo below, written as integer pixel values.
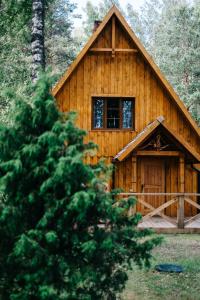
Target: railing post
(180, 209)
(180, 212)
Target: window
(113, 113)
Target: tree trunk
(37, 42)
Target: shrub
(61, 236)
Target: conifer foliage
(61, 236)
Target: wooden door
(152, 181)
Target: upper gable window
(113, 113)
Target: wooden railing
(176, 198)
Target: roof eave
(147, 132)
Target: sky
(81, 3)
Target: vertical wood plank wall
(127, 74)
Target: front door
(152, 181)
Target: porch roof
(197, 167)
(148, 131)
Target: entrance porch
(162, 223)
(157, 168)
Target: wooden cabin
(134, 115)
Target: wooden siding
(123, 179)
(124, 75)
(128, 75)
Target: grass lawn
(183, 249)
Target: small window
(113, 113)
(98, 113)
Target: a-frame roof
(115, 12)
(147, 132)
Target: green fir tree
(15, 45)
(61, 235)
(169, 29)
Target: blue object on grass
(170, 268)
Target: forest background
(169, 29)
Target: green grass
(151, 285)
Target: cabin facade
(133, 114)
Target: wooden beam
(111, 49)
(181, 201)
(144, 203)
(141, 137)
(180, 212)
(181, 174)
(101, 50)
(134, 174)
(157, 153)
(160, 208)
(192, 203)
(132, 210)
(159, 194)
(113, 95)
(126, 50)
(194, 218)
(113, 36)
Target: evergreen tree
(61, 236)
(15, 54)
(145, 22)
(15, 44)
(134, 21)
(176, 49)
(61, 45)
(169, 30)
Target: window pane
(98, 113)
(127, 114)
(113, 103)
(113, 113)
(113, 123)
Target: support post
(180, 213)
(133, 180)
(181, 201)
(134, 174)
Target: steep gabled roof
(114, 11)
(147, 132)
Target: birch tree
(15, 45)
(97, 12)
(37, 40)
